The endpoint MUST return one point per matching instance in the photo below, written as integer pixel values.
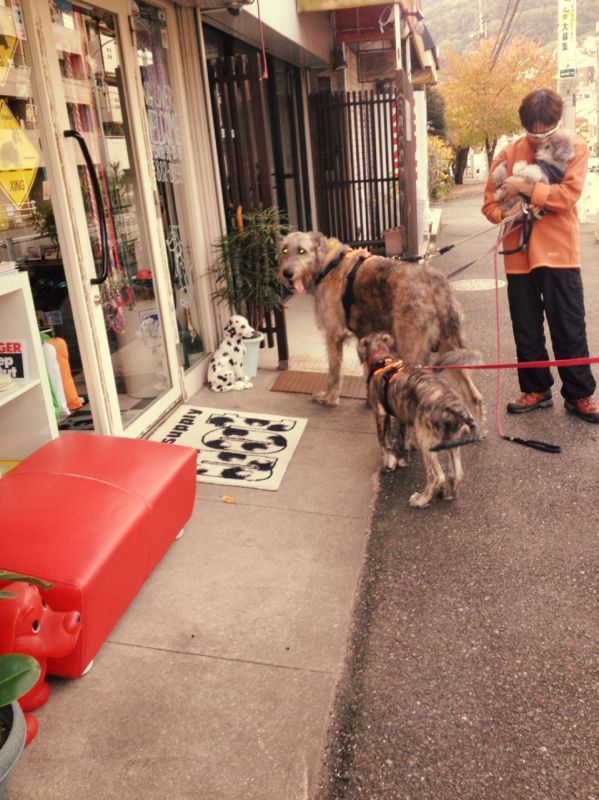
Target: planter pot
(252, 351)
(13, 718)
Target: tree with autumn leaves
(481, 100)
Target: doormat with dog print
(235, 448)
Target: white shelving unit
(27, 418)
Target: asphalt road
(473, 671)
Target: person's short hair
(541, 105)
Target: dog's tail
(461, 356)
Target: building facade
(114, 179)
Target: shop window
(165, 139)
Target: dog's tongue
(298, 285)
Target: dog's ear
(362, 347)
(320, 241)
(388, 340)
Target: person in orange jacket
(543, 274)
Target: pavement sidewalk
(218, 681)
(472, 665)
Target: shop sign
(12, 358)
(163, 120)
(19, 158)
(8, 42)
(566, 39)
(333, 5)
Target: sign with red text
(13, 358)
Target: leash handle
(545, 447)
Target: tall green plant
(246, 272)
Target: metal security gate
(242, 131)
(359, 164)
(241, 122)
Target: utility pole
(597, 88)
(482, 33)
(566, 59)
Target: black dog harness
(528, 220)
(348, 294)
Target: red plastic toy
(28, 625)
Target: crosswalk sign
(19, 158)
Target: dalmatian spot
(229, 456)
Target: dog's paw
(326, 399)
(418, 500)
(389, 462)
(447, 491)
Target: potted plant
(18, 674)
(246, 271)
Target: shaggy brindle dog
(436, 414)
(364, 293)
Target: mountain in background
(454, 24)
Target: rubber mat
(297, 382)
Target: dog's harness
(348, 293)
(530, 215)
(388, 367)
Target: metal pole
(597, 88)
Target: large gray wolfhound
(363, 293)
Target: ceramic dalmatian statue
(225, 371)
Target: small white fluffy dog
(551, 162)
(225, 371)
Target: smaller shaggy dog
(551, 162)
(225, 371)
(427, 404)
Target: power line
(506, 24)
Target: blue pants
(557, 295)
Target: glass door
(96, 210)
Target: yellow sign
(335, 5)
(8, 42)
(19, 158)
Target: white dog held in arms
(225, 371)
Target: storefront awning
(372, 22)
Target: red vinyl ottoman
(94, 515)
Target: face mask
(545, 134)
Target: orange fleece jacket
(554, 238)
